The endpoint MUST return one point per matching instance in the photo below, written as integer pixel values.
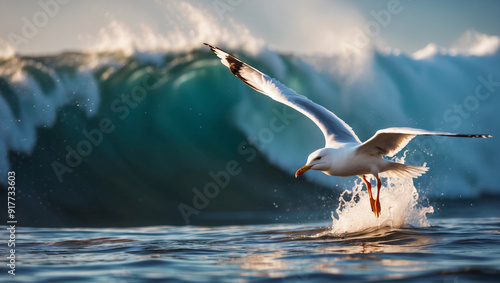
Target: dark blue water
(450, 250)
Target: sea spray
(400, 201)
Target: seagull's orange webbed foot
(372, 201)
(378, 210)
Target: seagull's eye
(317, 158)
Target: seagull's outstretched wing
(337, 133)
(388, 142)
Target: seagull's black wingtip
(211, 46)
(476, 136)
(479, 136)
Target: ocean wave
(107, 132)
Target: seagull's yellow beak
(302, 170)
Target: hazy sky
(32, 27)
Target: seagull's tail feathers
(405, 171)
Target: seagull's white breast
(346, 161)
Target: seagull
(344, 154)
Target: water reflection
(379, 251)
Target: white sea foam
(6, 49)
(471, 43)
(37, 108)
(185, 28)
(400, 201)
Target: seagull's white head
(320, 160)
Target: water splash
(400, 201)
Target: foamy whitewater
(401, 207)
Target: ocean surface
(450, 249)
(156, 165)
